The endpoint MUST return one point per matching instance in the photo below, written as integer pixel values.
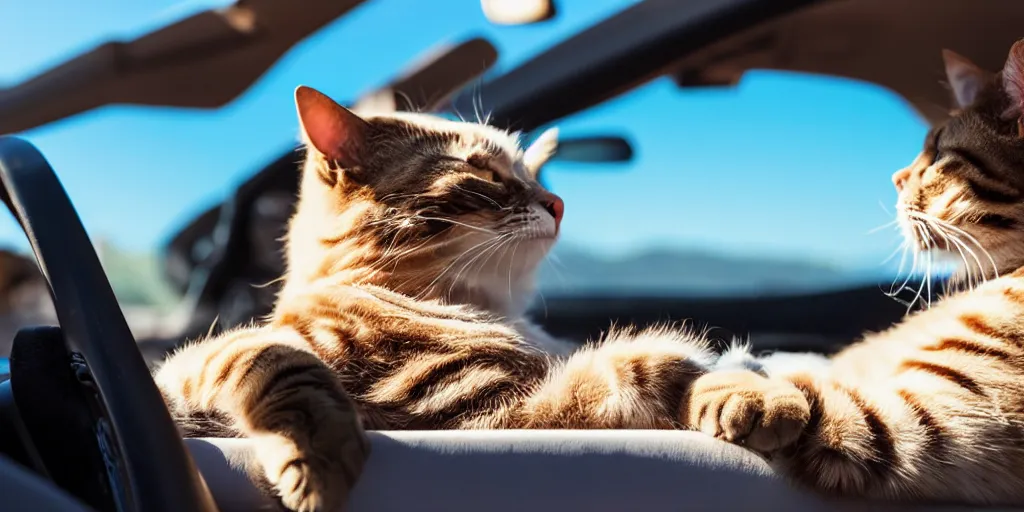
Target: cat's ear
(541, 151)
(965, 78)
(330, 128)
(1013, 83)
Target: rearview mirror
(518, 12)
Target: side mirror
(598, 149)
(603, 149)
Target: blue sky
(783, 165)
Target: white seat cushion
(541, 471)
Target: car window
(768, 186)
(772, 186)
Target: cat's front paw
(745, 408)
(311, 475)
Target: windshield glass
(776, 185)
(771, 186)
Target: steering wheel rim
(161, 475)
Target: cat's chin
(505, 286)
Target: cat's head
(964, 194)
(423, 205)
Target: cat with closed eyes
(410, 262)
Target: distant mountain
(690, 272)
(137, 280)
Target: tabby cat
(933, 408)
(410, 261)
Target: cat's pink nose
(900, 177)
(555, 206)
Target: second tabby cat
(933, 408)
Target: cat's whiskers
(397, 259)
(974, 241)
(554, 265)
(511, 262)
(477, 106)
(393, 244)
(479, 255)
(397, 239)
(268, 283)
(900, 249)
(500, 248)
(963, 237)
(495, 250)
(488, 248)
(894, 292)
(977, 269)
(492, 201)
(507, 238)
(451, 265)
(917, 257)
(892, 223)
(539, 293)
(951, 240)
(973, 279)
(397, 196)
(457, 223)
(543, 300)
(393, 256)
(478, 109)
(484, 250)
(924, 289)
(886, 210)
(408, 101)
(904, 249)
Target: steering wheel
(148, 466)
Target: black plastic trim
(15, 441)
(616, 55)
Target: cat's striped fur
(410, 259)
(932, 409)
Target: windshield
(777, 185)
(771, 186)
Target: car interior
(110, 444)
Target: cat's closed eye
(475, 167)
(481, 168)
(484, 174)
